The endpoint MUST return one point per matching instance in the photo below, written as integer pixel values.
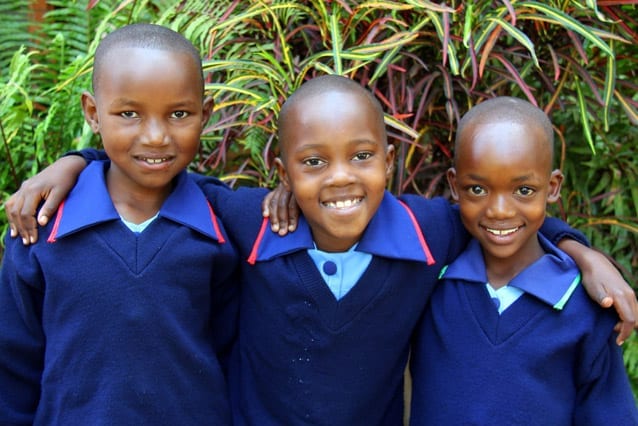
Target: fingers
(21, 216)
(269, 210)
(282, 202)
(293, 213)
(626, 305)
(605, 301)
(50, 206)
(277, 206)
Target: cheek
(469, 210)
(537, 211)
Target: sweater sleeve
(555, 230)
(89, 154)
(604, 394)
(21, 338)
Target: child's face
(149, 111)
(336, 162)
(502, 181)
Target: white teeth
(501, 232)
(154, 160)
(343, 204)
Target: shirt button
(329, 268)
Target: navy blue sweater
(538, 363)
(100, 326)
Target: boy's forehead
(502, 129)
(333, 114)
(503, 139)
(122, 61)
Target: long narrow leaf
(519, 36)
(572, 24)
(584, 119)
(610, 84)
(335, 33)
(440, 31)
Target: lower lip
(343, 210)
(155, 166)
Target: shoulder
(432, 213)
(440, 223)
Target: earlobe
(389, 161)
(451, 179)
(207, 110)
(555, 184)
(89, 107)
(283, 176)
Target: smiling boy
(524, 344)
(100, 323)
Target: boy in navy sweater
(523, 344)
(100, 322)
(328, 311)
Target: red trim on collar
(56, 224)
(213, 218)
(253, 253)
(424, 245)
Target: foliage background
(428, 63)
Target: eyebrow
(522, 178)
(354, 142)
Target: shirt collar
(89, 203)
(393, 232)
(552, 278)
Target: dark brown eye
(362, 156)
(525, 191)
(180, 114)
(313, 162)
(476, 190)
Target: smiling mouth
(342, 204)
(154, 160)
(502, 232)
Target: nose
(341, 174)
(154, 132)
(500, 207)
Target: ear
(89, 107)
(451, 180)
(389, 160)
(555, 183)
(283, 175)
(207, 110)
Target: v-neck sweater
(101, 326)
(537, 363)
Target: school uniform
(305, 357)
(549, 358)
(99, 325)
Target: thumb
(49, 207)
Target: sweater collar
(552, 278)
(89, 203)
(393, 233)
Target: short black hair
(143, 36)
(507, 108)
(325, 84)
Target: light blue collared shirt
(340, 271)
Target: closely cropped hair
(507, 108)
(149, 36)
(330, 83)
